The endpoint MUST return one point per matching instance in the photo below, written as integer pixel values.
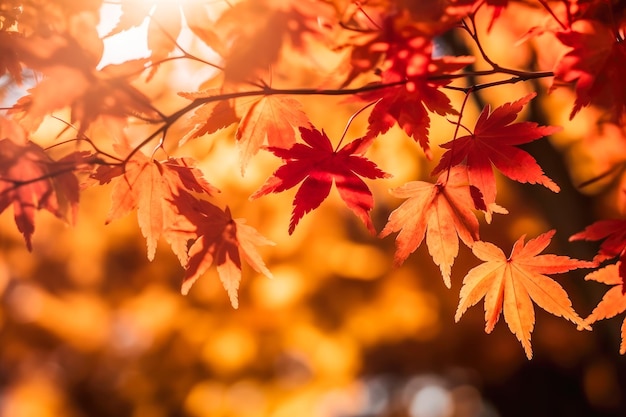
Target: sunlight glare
(155, 2)
(129, 44)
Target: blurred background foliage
(89, 327)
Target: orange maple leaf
(71, 79)
(613, 302)
(30, 180)
(156, 190)
(511, 284)
(9, 61)
(443, 212)
(163, 30)
(222, 240)
(216, 113)
(271, 119)
(257, 44)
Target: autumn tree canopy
(398, 66)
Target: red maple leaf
(414, 77)
(496, 7)
(394, 43)
(199, 233)
(614, 245)
(595, 64)
(318, 165)
(30, 180)
(222, 240)
(511, 284)
(418, 91)
(493, 143)
(614, 231)
(443, 212)
(158, 191)
(614, 301)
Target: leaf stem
(456, 131)
(554, 16)
(345, 130)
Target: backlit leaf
(510, 285)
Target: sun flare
(129, 44)
(130, 40)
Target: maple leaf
(71, 79)
(163, 28)
(415, 79)
(496, 7)
(30, 180)
(317, 166)
(594, 64)
(384, 42)
(430, 17)
(436, 16)
(211, 116)
(510, 285)
(417, 93)
(198, 19)
(493, 143)
(154, 189)
(133, 14)
(222, 241)
(257, 44)
(442, 212)
(111, 96)
(271, 119)
(614, 301)
(614, 231)
(67, 70)
(9, 61)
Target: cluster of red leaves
(414, 76)
(593, 32)
(595, 56)
(390, 42)
(613, 234)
